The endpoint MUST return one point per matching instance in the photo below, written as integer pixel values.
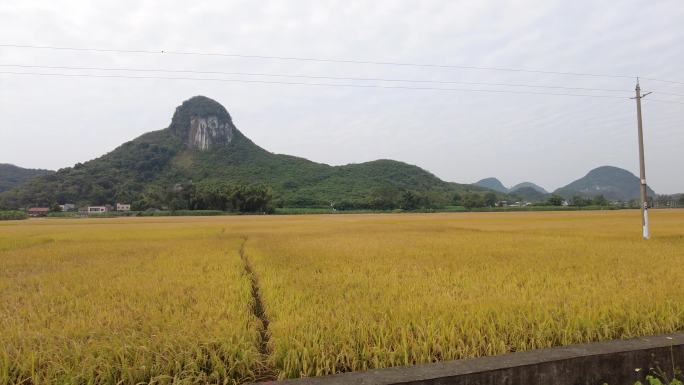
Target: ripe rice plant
(170, 300)
(109, 302)
(353, 293)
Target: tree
(555, 200)
(664, 200)
(456, 199)
(489, 199)
(432, 199)
(599, 200)
(252, 199)
(681, 200)
(579, 201)
(473, 200)
(409, 201)
(221, 196)
(383, 198)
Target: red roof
(38, 209)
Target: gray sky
(461, 136)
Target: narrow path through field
(266, 372)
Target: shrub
(12, 215)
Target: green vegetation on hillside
(208, 196)
(493, 184)
(141, 170)
(612, 182)
(146, 170)
(529, 194)
(12, 176)
(529, 184)
(118, 176)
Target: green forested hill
(202, 145)
(530, 185)
(493, 184)
(613, 183)
(529, 194)
(12, 176)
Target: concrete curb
(613, 362)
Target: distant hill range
(203, 145)
(613, 183)
(529, 194)
(530, 185)
(524, 189)
(12, 176)
(492, 184)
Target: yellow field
(169, 300)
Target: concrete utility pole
(642, 167)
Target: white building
(97, 209)
(68, 207)
(123, 207)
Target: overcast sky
(462, 136)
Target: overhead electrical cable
(327, 60)
(313, 77)
(311, 84)
(662, 101)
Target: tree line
(221, 196)
(667, 200)
(392, 198)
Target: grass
(168, 300)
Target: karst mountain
(202, 144)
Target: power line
(661, 80)
(312, 84)
(314, 77)
(326, 60)
(663, 101)
(667, 93)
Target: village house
(38, 211)
(98, 209)
(123, 207)
(67, 207)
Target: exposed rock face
(205, 131)
(202, 124)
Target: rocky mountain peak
(202, 123)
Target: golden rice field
(170, 300)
